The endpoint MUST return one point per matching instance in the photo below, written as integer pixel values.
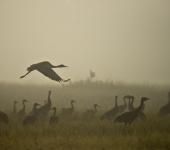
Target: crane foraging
(45, 68)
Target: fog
(120, 40)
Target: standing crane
(22, 112)
(35, 109)
(70, 110)
(165, 110)
(123, 107)
(129, 117)
(53, 118)
(91, 112)
(109, 115)
(31, 119)
(131, 107)
(44, 110)
(45, 68)
(4, 118)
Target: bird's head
(72, 101)
(24, 100)
(145, 99)
(127, 96)
(30, 69)
(96, 105)
(36, 104)
(15, 102)
(53, 108)
(60, 66)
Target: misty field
(77, 132)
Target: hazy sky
(124, 40)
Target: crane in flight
(46, 68)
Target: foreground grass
(88, 135)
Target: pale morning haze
(121, 40)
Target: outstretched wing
(48, 72)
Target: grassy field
(82, 134)
(90, 135)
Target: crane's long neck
(129, 103)
(34, 108)
(141, 106)
(14, 108)
(58, 66)
(23, 103)
(54, 113)
(72, 105)
(95, 109)
(132, 103)
(125, 104)
(116, 105)
(169, 97)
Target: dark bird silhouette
(131, 107)
(44, 110)
(70, 110)
(15, 107)
(35, 109)
(92, 74)
(4, 118)
(45, 68)
(53, 118)
(129, 117)
(22, 112)
(31, 119)
(109, 115)
(165, 110)
(92, 112)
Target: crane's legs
(25, 74)
(66, 80)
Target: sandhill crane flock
(125, 113)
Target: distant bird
(109, 115)
(44, 110)
(4, 118)
(22, 112)
(131, 107)
(35, 109)
(92, 74)
(53, 118)
(31, 119)
(45, 68)
(92, 112)
(15, 107)
(70, 110)
(165, 110)
(129, 117)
